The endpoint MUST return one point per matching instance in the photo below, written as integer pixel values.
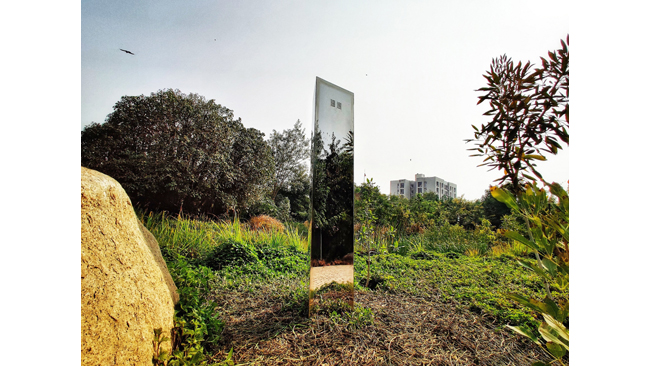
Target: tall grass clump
(196, 240)
(448, 238)
(180, 237)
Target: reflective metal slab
(332, 197)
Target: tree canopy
(419, 213)
(290, 150)
(177, 152)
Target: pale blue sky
(413, 67)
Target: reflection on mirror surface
(332, 195)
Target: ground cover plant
(420, 306)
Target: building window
(419, 184)
(332, 103)
(338, 105)
(419, 190)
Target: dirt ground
(406, 330)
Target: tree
(332, 195)
(177, 152)
(530, 110)
(290, 151)
(460, 211)
(493, 209)
(368, 194)
(298, 196)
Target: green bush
(232, 253)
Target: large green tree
(178, 152)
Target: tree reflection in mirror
(331, 280)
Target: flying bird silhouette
(129, 52)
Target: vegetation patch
(232, 253)
(422, 305)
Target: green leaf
(551, 309)
(550, 334)
(556, 350)
(520, 238)
(526, 333)
(536, 157)
(550, 266)
(541, 272)
(561, 330)
(504, 196)
(529, 176)
(528, 302)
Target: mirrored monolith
(331, 279)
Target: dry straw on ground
(407, 330)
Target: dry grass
(264, 222)
(407, 330)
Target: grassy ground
(422, 307)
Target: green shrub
(283, 259)
(196, 321)
(232, 253)
(547, 224)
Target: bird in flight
(129, 52)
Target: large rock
(126, 289)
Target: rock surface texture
(126, 289)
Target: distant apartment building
(421, 184)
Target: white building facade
(410, 188)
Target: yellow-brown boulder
(126, 289)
